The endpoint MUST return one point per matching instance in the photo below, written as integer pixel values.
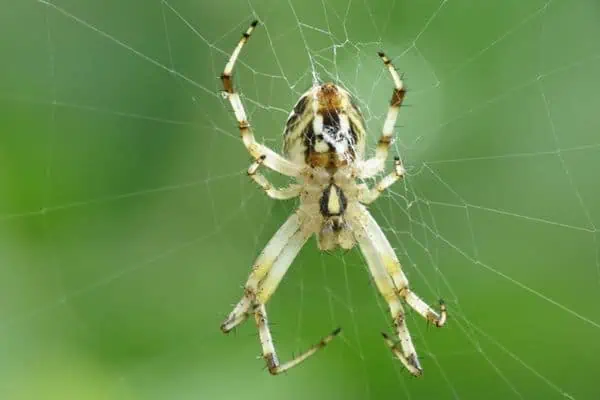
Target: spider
(324, 143)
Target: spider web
(128, 223)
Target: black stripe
(331, 119)
(299, 109)
(309, 140)
(301, 105)
(324, 203)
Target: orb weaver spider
(324, 145)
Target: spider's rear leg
(410, 363)
(394, 269)
(268, 348)
(281, 245)
(405, 350)
(268, 271)
(407, 353)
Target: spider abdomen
(325, 129)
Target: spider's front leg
(367, 196)
(279, 194)
(256, 150)
(394, 270)
(373, 166)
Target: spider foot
(439, 320)
(240, 313)
(398, 167)
(410, 361)
(231, 322)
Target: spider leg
(367, 196)
(268, 271)
(268, 348)
(266, 289)
(256, 150)
(406, 353)
(274, 193)
(375, 165)
(261, 268)
(394, 269)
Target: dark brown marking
(301, 105)
(227, 83)
(386, 60)
(271, 363)
(399, 319)
(397, 97)
(337, 223)
(317, 159)
(412, 360)
(384, 140)
(402, 292)
(354, 138)
(431, 317)
(332, 119)
(299, 109)
(309, 142)
(244, 125)
(329, 98)
(259, 160)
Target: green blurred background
(128, 226)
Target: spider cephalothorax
(324, 140)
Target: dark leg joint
(227, 84)
(397, 97)
(386, 60)
(271, 364)
(385, 141)
(399, 320)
